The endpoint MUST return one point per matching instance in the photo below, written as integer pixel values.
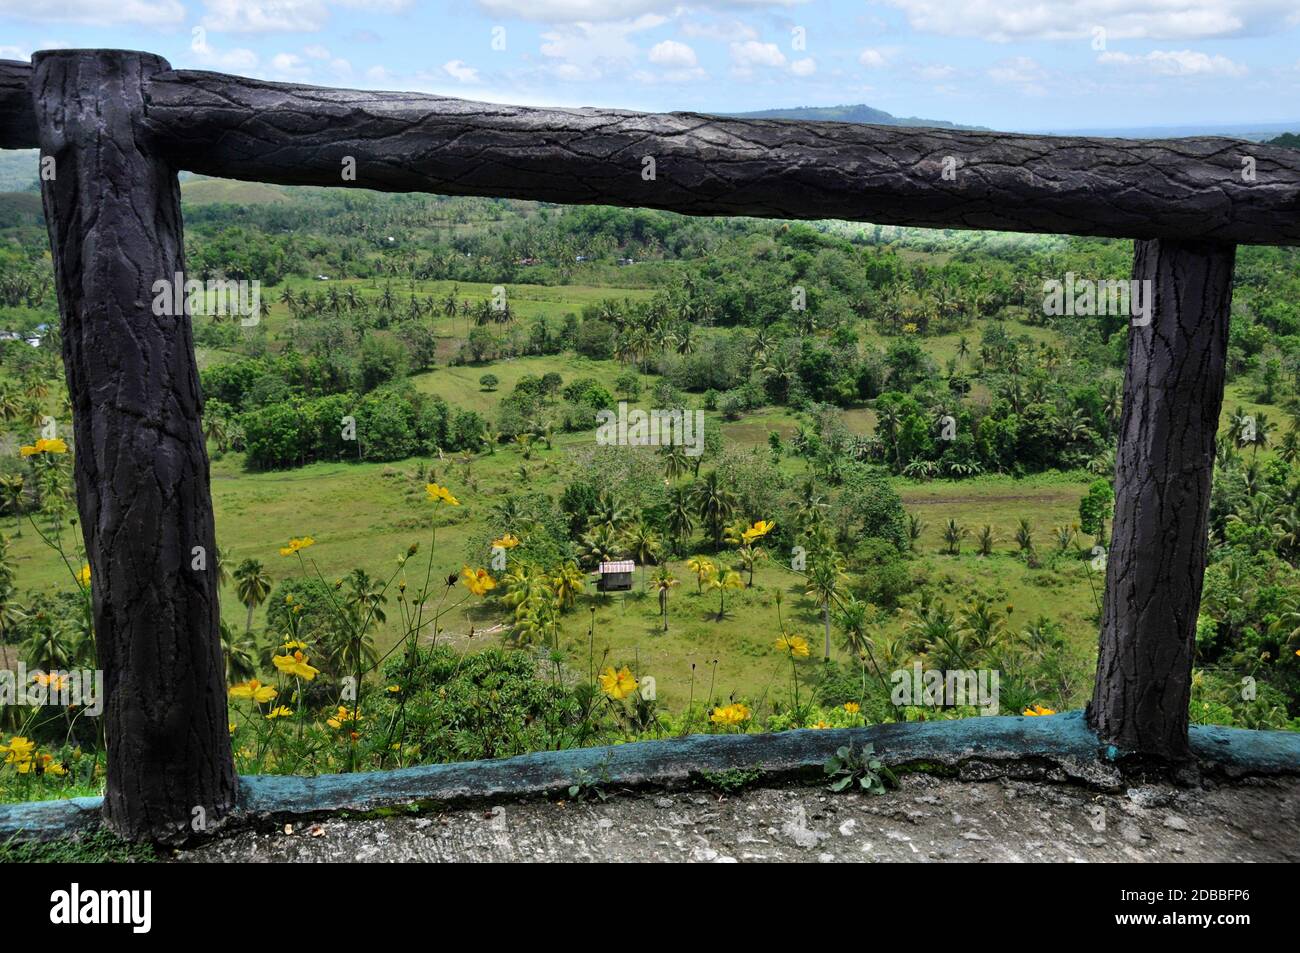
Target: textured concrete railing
(1059, 747)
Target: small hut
(615, 576)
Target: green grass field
(365, 515)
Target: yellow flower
(796, 646)
(394, 689)
(910, 328)
(758, 530)
(734, 714)
(279, 711)
(253, 689)
(233, 727)
(296, 545)
(55, 682)
(852, 707)
(820, 724)
(18, 751)
(293, 646)
(617, 685)
(295, 664)
(506, 542)
(477, 581)
(83, 577)
(342, 717)
(50, 766)
(1039, 710)
(437, 493)
(44, 446)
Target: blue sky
(1008, 64)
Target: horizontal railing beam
(1214, 189)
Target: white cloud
(265, 16)
(751, 53)
(1008, 20)
(1176, 63)
(15, 53)
(935, 71)
(674, 77)
(804, 67)
(732, 31)
(874, 58)
(1018, 69)
(1021, 71)
(289, 66)
(161, 13)
(285, 16)
(591, 11)
(672, 53)
(589, 51)
(458, 71)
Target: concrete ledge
(1059, 748)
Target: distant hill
(1289, 139)
(18, 170)
(857, 113)
(204, 191)
(20, 208)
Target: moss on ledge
(1057, 748)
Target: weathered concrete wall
(928, 819)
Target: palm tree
(567, 583)
(214, 429)
(722, 581)
(609, 513)
(681, 515)
(915, 527)
(12, 488)
(703, 569)
(222, 568)
(674, 461)
(239, 650)
(825, 577)
(985, 540)
(664, 583)
(49, 646)
(644, 544)
(252, 586)
(1289, 449)
(10, 402)
(1025, 538)
(947, 645)
(600, 545)
(715, 505)
(953, 534)
(851, 617)
(984, 625)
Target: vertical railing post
(1173, 390)
(114, 218)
